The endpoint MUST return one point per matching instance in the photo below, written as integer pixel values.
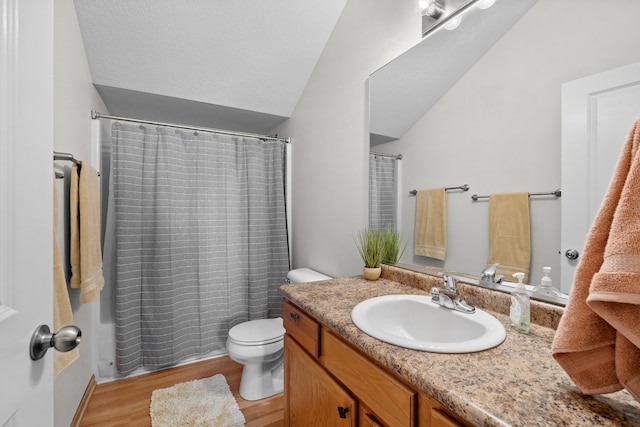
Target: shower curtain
(383, 192)
(201, 240)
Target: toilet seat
(257, 332)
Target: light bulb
(453, 23)
(485, 4)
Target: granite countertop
(517, 383)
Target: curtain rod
(97, 115)
(395, 156)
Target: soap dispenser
(519, 310)
(546, 286)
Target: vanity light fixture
(437, 14)
(433, 9)
(485, 4)
(453, 23)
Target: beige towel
(430, 236)
(86, 254)
(598, 338)
(62, 314)
(509, 234)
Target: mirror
(480, 105)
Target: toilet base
(260, 381)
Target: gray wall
(74, 97)
(330, 135)
(498, 129)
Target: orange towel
(85, 251)
(598, 338)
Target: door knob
(66, 339)
(572, 254)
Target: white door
(26, 170)
(597, 114)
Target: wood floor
(126, 402)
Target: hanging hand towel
(509, 233)
(430, 236)
(86, 254)
(598, 338)
(62, 314)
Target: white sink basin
(413, 321)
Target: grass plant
(371, 245)
(392, 245)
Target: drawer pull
(342, 411)
(294, 316)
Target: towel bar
(464, 187)
(557, 193)
(57, 155)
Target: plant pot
(372, 273)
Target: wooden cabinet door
(368, 419)
(441, 419)
(392, 401)
(312, 397)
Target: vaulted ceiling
(239, 65)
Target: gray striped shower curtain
(201, 240)
(383, 192)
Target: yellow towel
(86, 254)
(598, 338)
(430, 236)
(509, 233)
(62, 314)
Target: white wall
(498, 129)
(330, 135)
(74, 97)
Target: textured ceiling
(238, 65)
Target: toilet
(259, 346)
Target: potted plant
(372, 250)
(392, 244)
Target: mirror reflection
(481, 105)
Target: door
(26, 206)
(597, 114)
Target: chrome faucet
(448, 297)
(489, 274)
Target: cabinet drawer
(392, 401)
(304, 329)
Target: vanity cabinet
(329, 382)
(433, 414)
(313, 398)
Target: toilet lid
(256, 332)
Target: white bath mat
(203, 403)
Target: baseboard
(84, 402)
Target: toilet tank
(304, 275)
